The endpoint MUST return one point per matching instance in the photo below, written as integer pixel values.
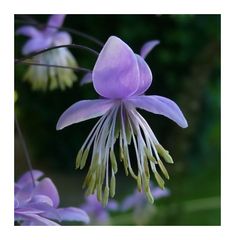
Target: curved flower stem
(61, 46)
(81, 34)
(73, 31)
(26, 153)
(77, 69)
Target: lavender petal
(87, 78)
(27, 178)
(73, 214)
(159, 193)
(83, 110)
(46, 187)
(116, 72)
(145, 75)
(55, 21)
(36, 44)
(34, 220)
(148, 47)
(160, 105)
(28, 31)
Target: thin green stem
(26, 153)
(76, 69)
(55, 47)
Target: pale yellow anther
(79, 158)
(145, 182)
(84, 158)
(146, 168)
(99, 192)
(149, 155)
(112, 186)
(106, 196)
(139, 183)
(163, 169)
(94, 162)
(164, 153)
(113, 161)
(150, 196)
(91, 185)
(159, 179)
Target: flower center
(125, 123)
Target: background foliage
(185, 67)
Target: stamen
(136, 151)
(106, 196)
(92, 135)
(144, 152)
(113, 161)
(118, 121)
(112, 185)
(84, 158)
(159, 179)
(139, 185)
(99, 191)
(164, 153)
(125, 125)
(163, 169)
(102, 138)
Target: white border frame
(8, 9)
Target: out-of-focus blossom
(142, 211)
(121, 78)
(148, 47)
(144, 51)
(97, 213)
(37, 205)
(42, 77)
(137, 200)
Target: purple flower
(137, 200)
(144, 51)
(39, 39)
(97, 213)
(121, 78)
(140, 206)
(38, 205)
(147, 47)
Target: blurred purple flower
(38, 205)
(43, 77)
(144, 51)
(139, 205)
(121, 78)
(148, 47)
(137, 200)
(97, 213)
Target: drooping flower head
(121, 78)
(97, 213)
(37, 205)
(39, 39)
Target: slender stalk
(61, 46)
(77, 69)
(26, 153)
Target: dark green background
(185, 67)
